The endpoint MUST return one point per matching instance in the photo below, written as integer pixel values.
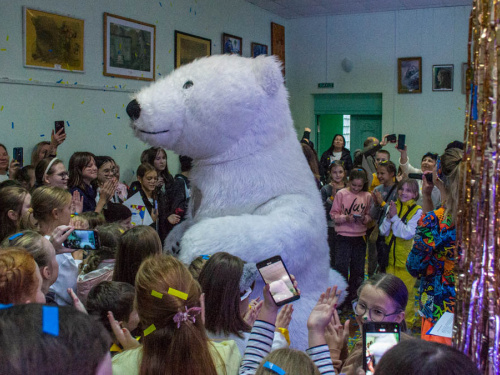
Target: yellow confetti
(30, 79)
(109, 133)
(1, 109)
(7, 38)
(53, 105)
(177, 293)
(116, 115)
(83, 101)
(103, 110)
(170, 50)
(120, 46)
(149, 330)
(156, 294)
(3, 49)
(459, 108)
(123, 106)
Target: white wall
(30, 107)
(316, 47)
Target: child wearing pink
(350, 211)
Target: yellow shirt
(375, 183)
(129, 361)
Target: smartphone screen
(378, 338)
(59, 125)
(391, 138)
(274, 273)
(18, 155)
(83, 239)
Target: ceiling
(312, 8)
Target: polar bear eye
(188, 84)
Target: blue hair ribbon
(274, 368)
(50, 320)
(14, 236)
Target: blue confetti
(120, 86)
(75, 83)
(50, 320)
(160, 4)
(189, 10)
(59, 81)
(195, 12)
(42, 135)
(118, 117)
(159, 74)
(114, 147)
(50, 50)
(67, 123)
(12, 125)
(126, 146)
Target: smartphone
(378, 338)
(391, 138)
(83, 239)
(401, 141)
(418, 176)
(274, 273)
(58, 125)
(18, 155)
(356, 216)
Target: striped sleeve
(321, 358)
(258, 346)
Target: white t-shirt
(336, 156)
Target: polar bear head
(219, 105)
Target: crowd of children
(126, 308)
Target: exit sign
(325, 85)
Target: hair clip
(14, 236)
(206, 257)
(156, 294)
(177, 293)
(274, 368)
(187, 315)
(149, 330)
(50, 320)
(2, 306)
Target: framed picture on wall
(190, 47)
(278, 43)
(129, 48)
(231, 44)
(258, 49)
(465, 66)
(52, 41)
(442, 77)
(409, 75)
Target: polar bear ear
(267, 70)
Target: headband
(48, 167)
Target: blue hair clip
(274, 368)
(206, 257)
(50, 320)
(14, 236)
(2, 306)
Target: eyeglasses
(63, 175)
(376, 315)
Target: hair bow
(187, 315)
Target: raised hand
(122, 334)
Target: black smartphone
(58, 125)
(356, 216)
(18, 155)
(391, 138)
(418, 176)
(378, 337)
(401, 141)
(274, 273)
(83, 239)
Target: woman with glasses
(51, 172)
(382, 298)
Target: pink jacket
(348, 204)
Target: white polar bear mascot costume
(253, 193)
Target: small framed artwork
(258, 49)
(465, 67)
(231, 44)
(129, 48)
(409, 75)
(52, 41)
(442, 78)
(190, 47)
(278, 43)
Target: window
(346, 131)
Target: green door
(362, 127)
(327, 127)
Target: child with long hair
(20, 280)
(337, 173)
(398, 228)
(52, 172)
(171, 311)
(42, 251)
(350, 211)
(135, 245)
(82, 174)
(15, 203)
(157, 157)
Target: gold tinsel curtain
(477, 323)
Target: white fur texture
(254, 195)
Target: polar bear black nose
(133, 110)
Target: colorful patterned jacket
(432, 259)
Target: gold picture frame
(53, 41)
(129, 48)
(189, 47)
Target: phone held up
(401, 141)
(418, 176)
(378, 337)
(391, 138)
(83, 239)
(274, 273)
(58, 125)
(18, 155)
